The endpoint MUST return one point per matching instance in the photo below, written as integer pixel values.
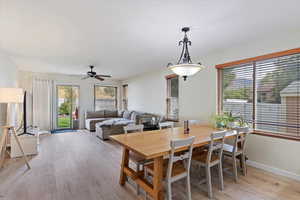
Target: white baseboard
(274, 170)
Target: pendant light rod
(185, 55)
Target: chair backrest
(240, 138)
(166, 125)
(216, 145)
(185, 156)
(133, 128)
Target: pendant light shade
(186, 70)
(185, 67)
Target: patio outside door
(67, 107)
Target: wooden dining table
(156, 145)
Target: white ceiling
(128, 37)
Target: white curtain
(42, 92)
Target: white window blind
(266, 93)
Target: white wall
(198, 97)
(147, 92)
(8, 78)
(8, 72)
(86, 95)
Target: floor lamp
(10, 96)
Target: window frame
(124, 100)
(252, 61)
(116, 99)
(168, 77)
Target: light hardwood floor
(79, 166)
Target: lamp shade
(11, 95)
(186, 69)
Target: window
(265, 91)
(125, 97)
(172, 97)
(237, 90)
(105, 97)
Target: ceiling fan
(93, 74)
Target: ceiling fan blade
(99, 78)
(107, 76)
(85, 77)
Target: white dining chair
(163, 125)
(178, 165)
(211, 157)
(237, 150)
(138, 160)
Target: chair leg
(234, 166)
(208, 181)
(221, 176)
(188, 186)
(146, 177)
(138, 167)
(241, 162)
(243, 158)
(169, 188)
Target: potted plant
(242, 122)
(228, 120)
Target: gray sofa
(112, 127)
(91, 118)
(108, 122)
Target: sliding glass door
(67, 107)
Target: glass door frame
(57, 109)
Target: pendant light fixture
(185, 67)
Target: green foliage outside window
(243, 93)
(65, 108)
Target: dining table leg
(158, 178)
(125, 162)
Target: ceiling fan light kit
(185, 67)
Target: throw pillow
(126, 114)
(120, 113)
(133, 116)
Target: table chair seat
(227, 148)
(201, 157)
(178, 168)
